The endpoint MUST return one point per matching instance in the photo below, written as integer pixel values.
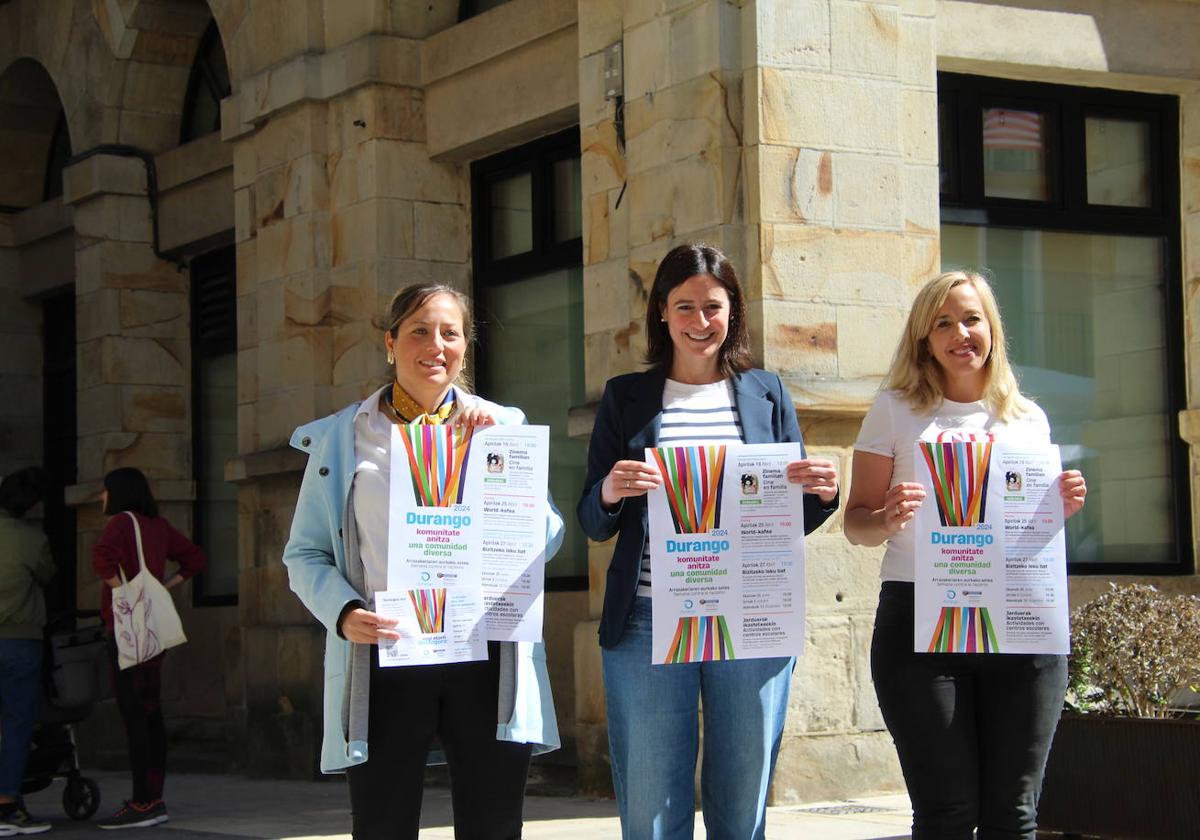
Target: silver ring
(627, 485)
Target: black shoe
(137, 815)
(16, 820)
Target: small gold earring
(391, 358)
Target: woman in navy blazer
(698, 346)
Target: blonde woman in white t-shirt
(972, 730)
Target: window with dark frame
(207, 86)
(1068, 198)
(527, 236)
(60, 435)
(527, 208)
(60, 153)
(214, 423)
(470, 8)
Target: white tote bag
(145, 622)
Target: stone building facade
(203, 203)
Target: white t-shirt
(891, 428)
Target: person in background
(25, 567)
(138, 688)
(701, 389)
(490, 716)
(972, 730)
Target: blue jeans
(653, 738)
(20, 692)
(972, 730)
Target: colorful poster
(468, 518)
(991, 574)
(726, 553)
(436, 625)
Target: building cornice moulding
(320, 77)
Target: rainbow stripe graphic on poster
(960, 480)
(430, 608)
(964, 630)
(437, 461)
(692, 477)
(703, 638)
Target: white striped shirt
(693, 415)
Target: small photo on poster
(495, 462)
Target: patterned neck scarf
(400, 407)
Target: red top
(160, 542)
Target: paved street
(206, 807)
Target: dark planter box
(1120, 777)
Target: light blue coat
(317, 555)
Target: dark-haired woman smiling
(700, 389)
(138, 687)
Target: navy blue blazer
(627, 422)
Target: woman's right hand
(900, 505)
(367, 628)
(628, 478)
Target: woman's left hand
(818, 475)
(475, 416)
(1073, 489)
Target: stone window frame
(213, 291)
(963, 97)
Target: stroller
(72, 679)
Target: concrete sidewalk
(206, 807)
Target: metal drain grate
(842, 810)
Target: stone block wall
(842, 160)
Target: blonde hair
(917, 376)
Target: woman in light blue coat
(489, 716)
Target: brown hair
(680, 263)
(408, 300)
(917, 376)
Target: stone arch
(229, 15)
(161, 38)
(30, 111)
(121, 66)
(64, 40)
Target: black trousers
(973, 731)
(138, 690)
(456, 703)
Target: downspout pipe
(147, 159)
